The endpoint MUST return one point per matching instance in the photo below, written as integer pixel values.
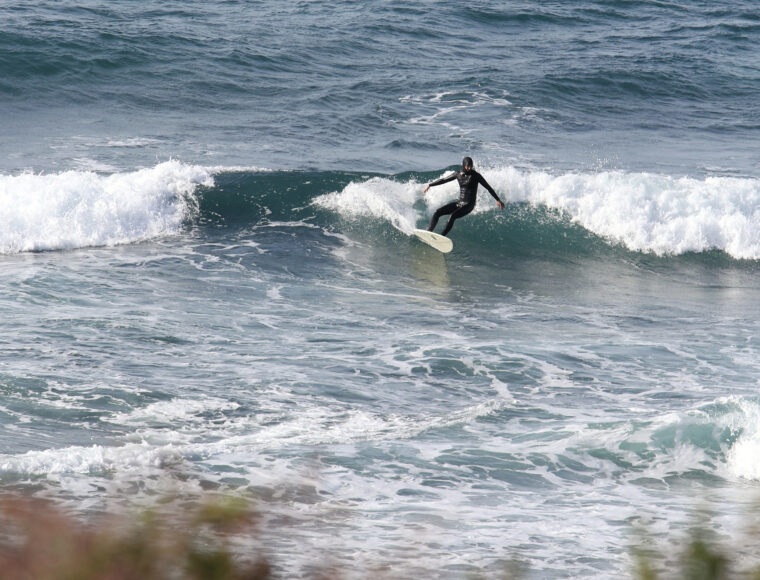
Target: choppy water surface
(209, 280)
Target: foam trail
(76, 209)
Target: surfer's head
(467, 164)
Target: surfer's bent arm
(490, 189)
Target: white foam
(648, 212)
(743, 458)
(452, 104)
(79, 459)
(87, 164)
(377, 197)
(174, 411)
(217, 169)
(132, 142)
(77, 209)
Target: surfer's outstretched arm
(440, 181)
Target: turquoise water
(210, 283)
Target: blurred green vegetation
(38, 542)
(700, 554)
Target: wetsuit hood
(467, 162)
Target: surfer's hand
(501, 205)
(424, 191)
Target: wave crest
(76, 209)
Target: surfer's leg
(460, 211)
(444, 210)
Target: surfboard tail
(437, 241)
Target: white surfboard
(437, 241)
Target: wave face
(564, 212)
(642, 212)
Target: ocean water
(209, 280)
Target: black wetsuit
(468, 195)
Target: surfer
(468, 179)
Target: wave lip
(76, 209)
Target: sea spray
(378, 197)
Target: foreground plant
(38, 542)
(700, 555)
